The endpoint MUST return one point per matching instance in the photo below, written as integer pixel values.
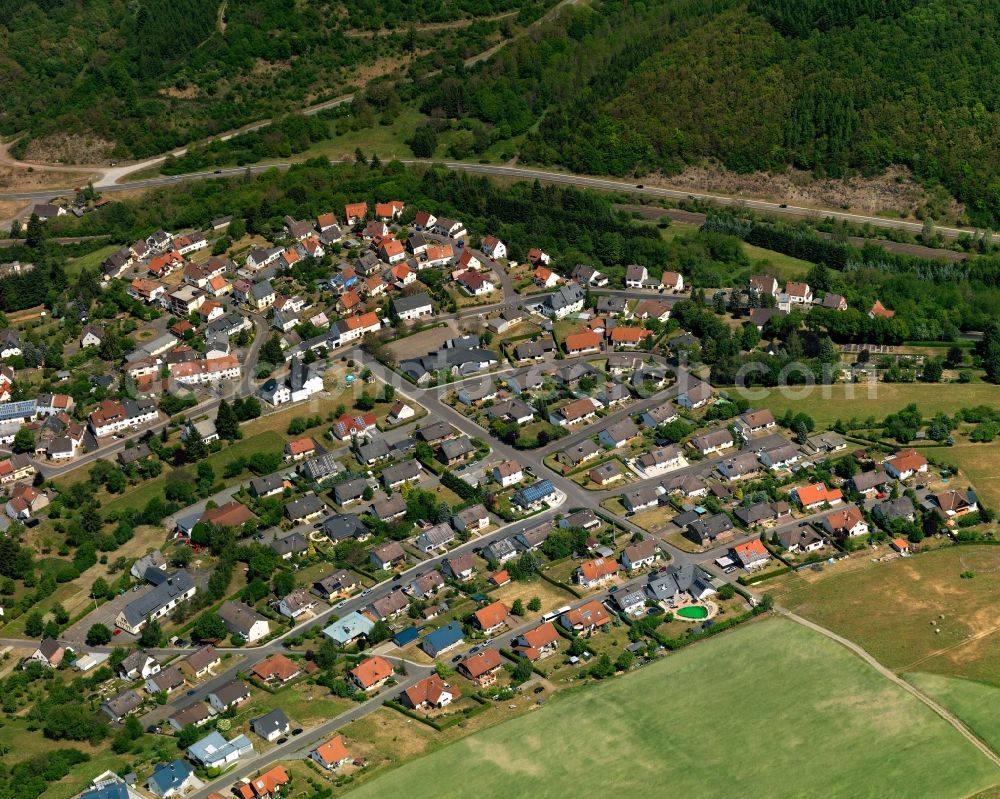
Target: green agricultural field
(750, 708)
(826, 404)
(973, 702)
(913, 614)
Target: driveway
(106, 615)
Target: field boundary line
(940, 710)
(945, 650)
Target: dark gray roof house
(434, 432)
(321, 468)
(704, 531)
(390, 508)
(266, 486)
(290, 545)
(304, 508)
(893, 509)
(456, 449)
(121, 705)
(168, 592)
(344, 526)
(399, 473)
(271, 725)
(349, 491)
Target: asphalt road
(545, 176)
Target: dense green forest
(838, 87)
(150, 75)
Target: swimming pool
(693, 612)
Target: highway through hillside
(545, 176)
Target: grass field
(895, 609)
(783, 267)
(138, 496)
(978, 462)
(91, 261)
(826, 404)
(973, 702)
(767, 696)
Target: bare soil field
(893, 193)
(423, 342)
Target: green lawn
(977, 462)
(91, 260)
(772, 706)
(826, 404)
(137, 497)
(973, 702)
(783, 267)
(388, 141)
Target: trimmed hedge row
(562, 585)
(749, 580)
(440, 725)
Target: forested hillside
(835, 86)
(149, 75)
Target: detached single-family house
(443, 640)
(508, 473)
(171, 779)
(619, 434)
(816, 495)
(587, 618)
(472, 519)
(165, 681)
(492, 247)
(138, 665)
(460, 567)
(430, 693)
(271, 726)
(482, 667)
(492, 617)
(49, 653)
(753, 422)
(538, 643)
(121, 705)
(388, 555)
(905, 464)
(846, 523)
(597, 572)
(752, 555)
(660, 460)
(695, 396)
(713, 441)
(954, 504)
(242, 620)
(371, 674)
(232, 694)
(434, 538)
(640, 555)
(799, 293)
(332, 754)
(716, 529)
(214, 751)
